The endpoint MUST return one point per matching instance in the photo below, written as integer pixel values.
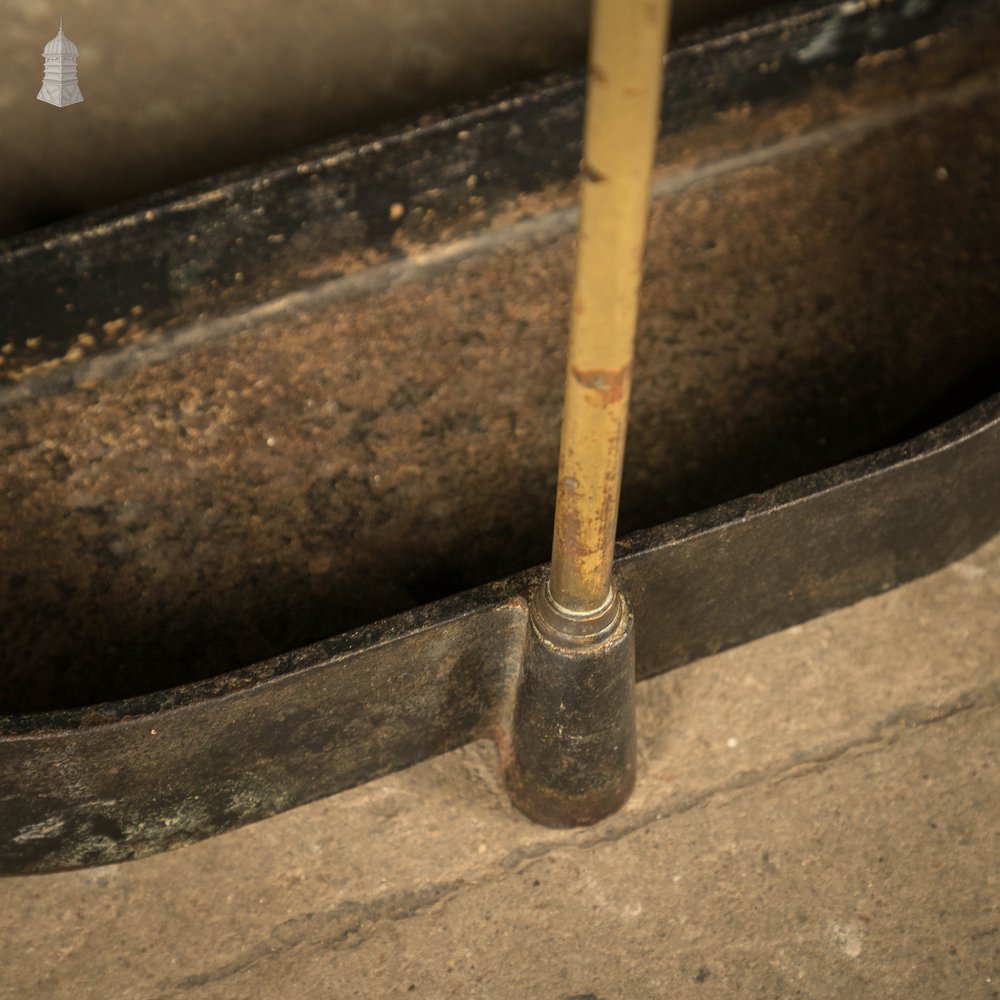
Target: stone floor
(818, 815)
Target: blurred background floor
(182, 89)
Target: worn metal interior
(253, 415)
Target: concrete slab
(817, 816)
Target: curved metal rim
(631, 550)
(132, 778)
(978, 420)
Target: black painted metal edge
(225, 244)
(155, 773)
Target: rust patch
(611, 384)
(592, 174)
(597, 73)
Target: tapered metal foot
(571, 759)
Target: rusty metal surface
(353, 456)
(308, 474)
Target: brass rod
(627, 45)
